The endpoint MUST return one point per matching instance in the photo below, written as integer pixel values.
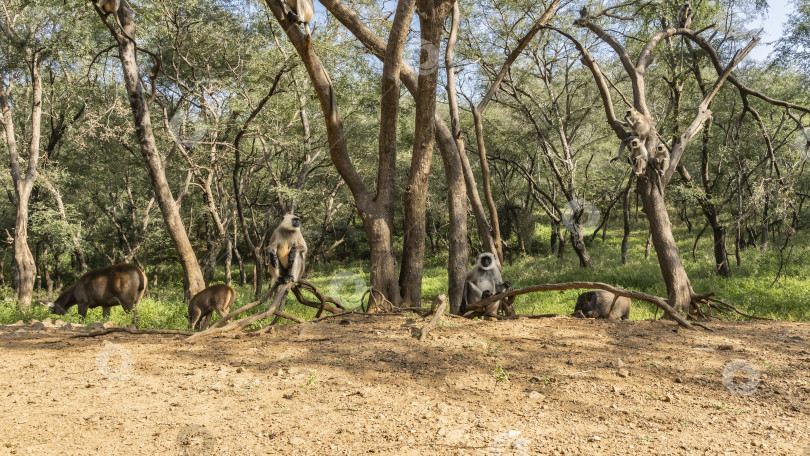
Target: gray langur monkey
(483, 281)
(660, 159)
(639, 156)
(639, 125)
(287, 250)
(685, 15)
(110, 7)
(300, 12)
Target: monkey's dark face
(290, 222)
(486, 261)
(635, 144)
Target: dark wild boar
(203, 304)
(597, 304)
(117, 285)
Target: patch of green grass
(749, 288)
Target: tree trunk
(25, 268)
(192, 277)
(720, 252)
(431, 17)
(485, 180)
(228, 260)
(626, 216)
(578, 244)
(679, 289)
(458, 255)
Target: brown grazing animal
(117, 285)
(217, 298)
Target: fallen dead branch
(441, 301)
(364, 314)
(712, 303)
(591, 286)
(124, 329)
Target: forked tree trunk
(192, 277)
(375, 211)
(431, 17)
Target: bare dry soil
(365, 385)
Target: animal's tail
(232, 299)
(141, 286)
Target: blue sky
(772, 23)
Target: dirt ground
(364, 385)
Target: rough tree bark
(25, 268)
(192, 277)
(456, 200)
(432, 14)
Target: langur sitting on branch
(483, 281)
(287, 251)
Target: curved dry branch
(599, 79)
(636, 79)
(322, 298)
(591, 286)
